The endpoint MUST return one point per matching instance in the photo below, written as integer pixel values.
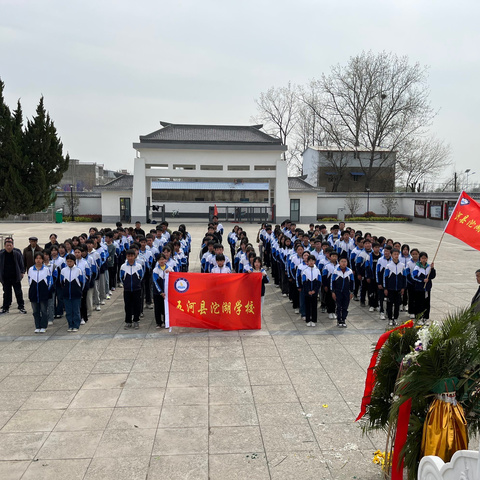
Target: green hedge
(85, 219)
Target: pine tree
(9, 158)
(44, 160)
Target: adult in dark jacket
(29, 253)
(12, 270)
(476, 297)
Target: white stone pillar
(282, 198)
(139, 200)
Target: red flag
(464, 222)
(214, 300)
(215, 210)
(370, 380)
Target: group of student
(245, 259)
(334, 267)
(80, 274)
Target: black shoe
(127, 326)
(22, 310)
(136, 326)
(3, 310)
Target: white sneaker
(377, 309)
(120, 285)
(102, 302)
(382, 316)
(108, 297)
(331, 316)
(82, 322)
(74, 329)
(50, 322)
(296, 310)
(371, 309)
(304, 318)
(284, 294)
(109, 293)
(37, 330)
(42, 330)
(97, 308)
(313, 324)
(412, 316)
(149, 306)
(401, 308)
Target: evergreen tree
(9, 159)
(44, 161)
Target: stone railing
(464, 465)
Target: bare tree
(390, 204)
(353, 203)
(421, 159)
(277, 110)
(376, 102)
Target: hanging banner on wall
(213, 301)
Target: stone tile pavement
(278, 403)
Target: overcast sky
(111, 70)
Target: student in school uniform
(360, 266)
(301, 292)
(405, 258)
(295, 260)
(84, 266)
(383, 261)
(394, 282)
(311, 281)
(371, 276)
(341, 284)
(158, 277)
(414, 254)
(257, 268)
(220, 266)
(423, 274)
(51, 292)
(73, 283)
(40, 282)
(131, 273)
(328, 269)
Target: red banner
(464, 222)
(370, 380)
(214, 300)
(400, 438)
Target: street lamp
(368, 199)
(469, 172)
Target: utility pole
(455, 182)
(71, 202)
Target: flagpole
(441, 238)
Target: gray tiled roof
(125, 182)
(297, 183)
(217, 134)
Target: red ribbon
(370, 380)
(400, 438)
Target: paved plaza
(278, 403)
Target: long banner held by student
(464, 222)
(214, 300)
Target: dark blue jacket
(73, 282)
(395, 276)
(131, 276)
(342, 282)
(40, 282)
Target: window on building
(244, 199)
(264, 167)
(238, 167)
(199, 199)
(356, 155)
(211, 167)
(355, 178)
(184, 167)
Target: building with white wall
(344, 170)
(219, 157)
